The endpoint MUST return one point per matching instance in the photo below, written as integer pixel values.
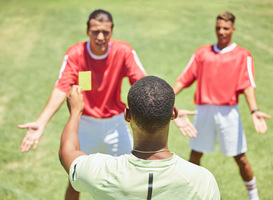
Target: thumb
(27, 125)
(190, 112)
(266, 116)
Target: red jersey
(107, 73)
(221, 75)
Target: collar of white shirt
(96, 57)
(224, 50)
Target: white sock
(252, 189)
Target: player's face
(99, 34)
(224, 31)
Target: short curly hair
(151, 101)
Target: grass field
(34, 35)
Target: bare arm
(35, 129)
(70, 146)
(178, 87)
(258, 117)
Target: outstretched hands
(184, 124)
(33, 135)
(258, 119)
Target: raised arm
(70, 146)
(258, 117)
(36, 129)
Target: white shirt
(128, 177)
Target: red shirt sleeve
(188, 76)
(246, 77)
(69, 72)
(134, 68)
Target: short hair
(227, 16)
(151, 101)
(101, 16)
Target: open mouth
(100, 44)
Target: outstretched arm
(70, 146)
(258, 117)
(35, 129)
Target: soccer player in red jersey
(102, 127)
(222, 71)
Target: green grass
(34, 36)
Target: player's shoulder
(204, 48)
(105, 161)
(193, 169)
(241, 50)
(120, 45)
(77, 48)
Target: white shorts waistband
(115, 117)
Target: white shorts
(223, 121)
(109, 135)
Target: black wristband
(253, 111)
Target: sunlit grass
(34, 36)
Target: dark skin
(145, 141)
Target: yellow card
(85, 80)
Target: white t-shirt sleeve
(87, 170)
(75, 174)
(211, 190)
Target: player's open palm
(258, 119)
(184, 124)
(32, 137)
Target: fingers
(261, 130)
(186, 112)
(22, 126)
(189, 130)
(35, 144)
(27, 143)
(260, 114)
(31, 125)
(186, 128)
(261, 126)
(76, 89)
(79, 89)
(193, 131)
(259, 121)
(264, 115)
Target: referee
(151, 171)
